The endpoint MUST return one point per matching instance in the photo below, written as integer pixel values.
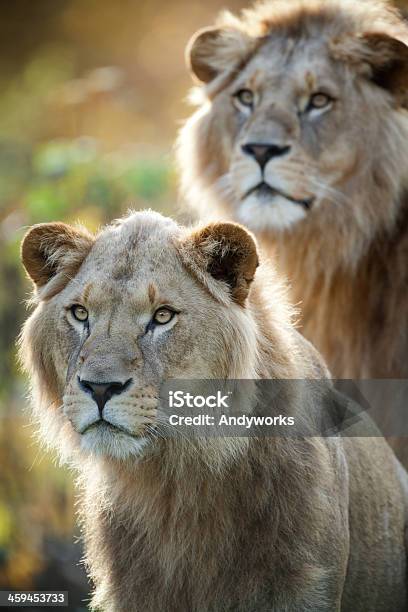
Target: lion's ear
(388, 58)
(213, 51)
(53, 252)
(224, 257)
(382, 58)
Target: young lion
(302, 135)
(250, 524)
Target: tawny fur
(347, 257)
(295, 524)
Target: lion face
(300, 107)
(120, 313)
(292, 135)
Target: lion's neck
(350, 311)
(164, 521)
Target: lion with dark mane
(302, 135)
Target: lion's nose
(102, 392)
(263, 152)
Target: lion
(228, 523)
(302, 135)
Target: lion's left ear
(224, 257)
(380, 57)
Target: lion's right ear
(380, 58)
(216, 50)
(53, 252)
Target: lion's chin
(260, 213)
(108, 441)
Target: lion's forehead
(141, 288)
(278, 67)
(124, 271)
(126, 259)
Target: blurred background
(92, 94)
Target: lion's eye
(163, 316)
(319, 100)
(79, 313)
(245, 96)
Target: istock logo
(180, 399)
